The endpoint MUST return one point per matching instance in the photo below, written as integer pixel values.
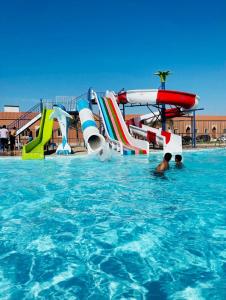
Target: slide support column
(193, 130)
(41, 105)
(163, 110)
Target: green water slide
(35, 149)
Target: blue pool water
(74, 228)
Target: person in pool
(164, 165)
(178, 161)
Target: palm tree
(162, 75)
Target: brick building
(75, 135)
(214, 126)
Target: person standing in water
(178, 161)
(164, 165)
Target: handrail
(24, 118)
(69, 102)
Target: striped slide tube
(113, 127)
(94, 141)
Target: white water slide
(116, 129)
(169, 141)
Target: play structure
(133, 136)
(138, 126)
(35, 149)
(94, 141)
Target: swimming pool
(74, 228)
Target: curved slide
(35, 149)
(116, 128)
(94, 141)
(185, 100)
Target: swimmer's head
(168, 156)
(178, 158)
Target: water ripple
(82, 229)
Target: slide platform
(182, 100)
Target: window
(37, 130)
(214, 132)
(59, 132)
(25, 132)
(188, 130)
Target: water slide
(35, 149)
(186, 101)
(169, 141)
(94, 141)
(116, 129)
(183, 101)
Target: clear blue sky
(54, 47)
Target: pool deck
(76, 151)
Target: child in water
(164, 165)
(178, 161)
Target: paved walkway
(76, 150)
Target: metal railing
(201, 138)
(26, 117)
(69, 102)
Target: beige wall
(214, 127)
(7, 118)
(204, 124)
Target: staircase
(34, 113)
(27, 119)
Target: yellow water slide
(35, 149)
